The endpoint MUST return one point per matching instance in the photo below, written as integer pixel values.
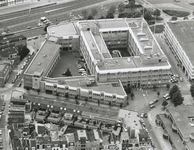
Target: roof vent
(141, 34)
(147, 47)
(143, 39)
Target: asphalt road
(56, 15)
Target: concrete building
(5, 71)
(64, 34)
(123, 49)
(118, 53)
(179, 37)
(42, 64)
(178, 126)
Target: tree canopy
(177, 98)
(173, 90)
(85, 13)
(192, 90)
(94, 12)
(164, 103)
(22, 51)
(157, 12)
(121, 7)
(67, 73)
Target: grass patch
(176, 13)
(158, 28)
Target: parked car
(0, 132)
(151, 103)
(142, 115)
(181, 79)
(156, 100)
(29, 39)
(4, 103)
(35, 37)
(167, 98)
(145, 115)
(1, 112)
(29, 27)
(166, 95)
(152, 106)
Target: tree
(67, 73)
(22, 51)
(164, 103)
(185, 18)
(192, 90)
(121, 105)
(98, 102)
(158, 93)
(131, 5)
(102, 17)
(109, 104)
(86, 99)
(147, 15)
(177, 98)
(112, 9)
(94, 12)
(66, 96)
(168, 86)
(132, 95)
(109, 15)
(157, 12)
(121, 7)
(154, 87)
(90, 17)
(137, 14)
(174, 18)
(76, 99)
(85, 13)
(173, 90)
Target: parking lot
(67, 60)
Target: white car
(28, 39)
(81, 70)
(142, 115)
(166, 95)
(0, 132)
(151, 103)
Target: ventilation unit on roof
(143, 39)
(141, 34)
(147, 47)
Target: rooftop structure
(40, 64)
(62, 30)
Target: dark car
(145, 115)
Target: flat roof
(112, 23)
(62, 29)
(184, 33)
(141, 34)
(43, 58)
(182, 120)
(131, 118)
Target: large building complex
(123, 49)
(121, 52)
(179, 36)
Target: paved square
(67, 60)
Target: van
(43, 18)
